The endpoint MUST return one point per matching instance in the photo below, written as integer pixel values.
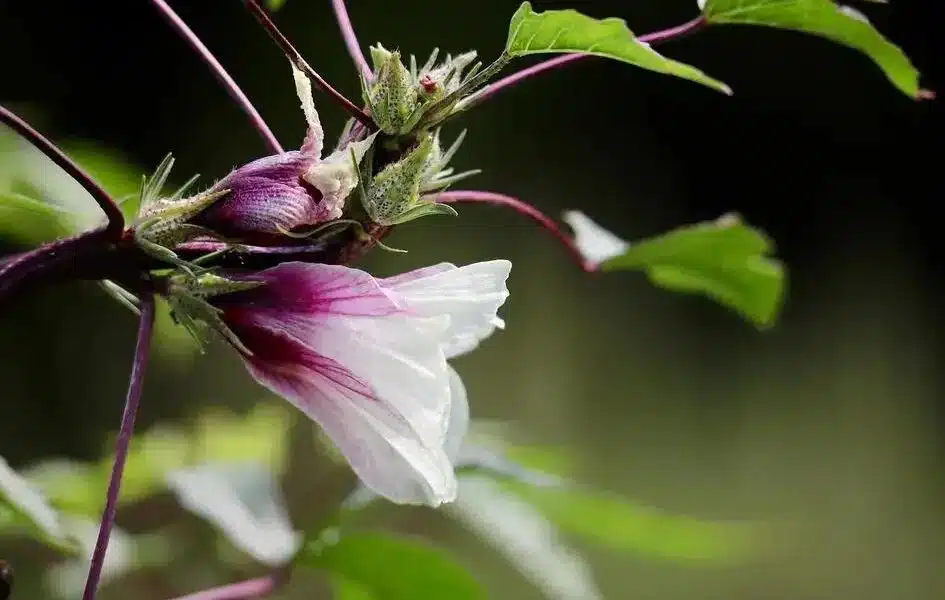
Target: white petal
(593, 241)
(701, 4)
(244, 501)
(67, 579)
(459, 416)
(470, 295)
(526, 538)
(336, 176)
(315, 138)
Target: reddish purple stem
(222, 76)
(296, 58)
(116, 220)
(656, 37)
(142, 351)
(351, 38)
(521, 207)
(244, 590)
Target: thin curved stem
(521, 207)
(351, 38)
(136, 384)
(244, 590)
(222, 76)
(116, 220)
(293, 55)
(656, 37)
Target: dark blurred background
(832, 420)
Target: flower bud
(392, 97)
(393, 197)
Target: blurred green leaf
(392, 568)
(275, 5)
(523, 535)
(262, 436)
(72, 487)
(724, 259)
(348, 590)
(622, 525)
(117, 176)
(28, 221)
(825, 18)
(151, 456)
(26, 511)
(568, 31)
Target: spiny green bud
(207, 285)
(187, 296)
(392, 98)
(393, 197)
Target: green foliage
(275, 5)
(25, 511)
(825, 18)
(623, 525)
(382, 567)
(568, 31)
(26, 221)
(723, 259)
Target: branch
(116, 220)
(78, 257)
(222, 76)
(524, 208)
(244, 590)
(351, 38)
(296, 58)
(142, 350)
(657, 37)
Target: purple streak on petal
(222, 76)
(135, 386)
(351, 38)
(296, 290)
(521, 207)
(656, 37)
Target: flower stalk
(523, 208)
(125, 432)
(220, 73)
(295, 57)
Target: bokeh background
(830, 423)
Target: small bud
(392, 96)
(393, 196)
(187, 297)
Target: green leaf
(724, 259)
(24, 510)
(72, 487)
(260, 436)
(622, 525)
(392, 568)
(824, 18)
(275, 5)
(568, 31)
(28, 221)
